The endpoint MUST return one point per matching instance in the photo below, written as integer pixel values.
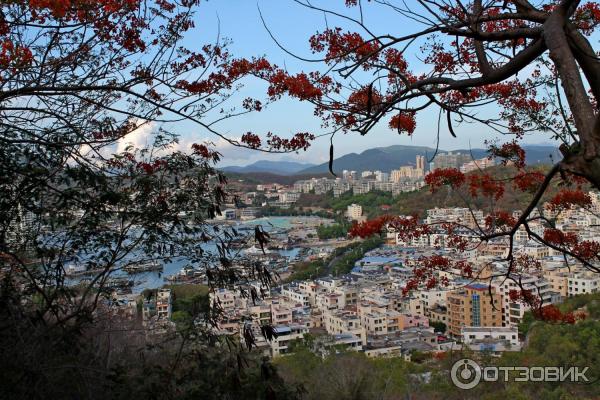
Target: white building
(354, 212)
(513, 312)
(582, 283)
(495, 338)
(286, 334)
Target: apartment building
(494, 339)
(164, 303)
(354, 212)
(473, 305)
(226, 299)
(286, 334)
(462, 215)
(582, 283)
(280, 314)
(514, 311)
(296, 296)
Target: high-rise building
(449, 160)
(354, 212)
(473, 305)
(421, 163)
(405, 173)
(382, 176)
(365, 174)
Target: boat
(119, 283)
(143, 267)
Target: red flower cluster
(407, 228)
(424, 273)
(509, 152)
(366, 99)
(204, 152)
(251, 140)
(394, 59)
(445, 177)
(525, 262)
(587, 250)
(150, 168)
(486, 185)
(368, 228)
(560, 238)
(300, 141)
(465, 268)
(343, 46)
(404, 122)
(528, 181)
(550, 313)
(442, 60)
(500, 220)
(567, 198)
(299, 86)
(587, 17)
(12, 56)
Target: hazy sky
(293, 24)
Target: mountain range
(273, 167)
(384, 159)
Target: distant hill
(389, 158)
(419, 201)
(255, 178)
(272, 167)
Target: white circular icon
(465, 374)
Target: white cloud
(140, 138)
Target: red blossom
(368, 228)
(366, 99)
(445, 177)
(300, 141)
(560, 238)
(299, 86)
(528, 181)
(341, 46)
(586, 250)
(552, 314)
(407, 228)
(404, 122)
(485, 185)
(500, 220)
(251, 140)
(203, 151)
(509, 152)
(568, 198)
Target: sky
(292, 25)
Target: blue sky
(293, 24)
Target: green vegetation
(344, 261)
(413, 202)
(189, 298)
(341, 261)
(589, 303)
(270, 211)
(348, 375)
(438, 326)
(371, 202)
(308, 270)
(333, 231)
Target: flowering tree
(78, 79)
(516, 67)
